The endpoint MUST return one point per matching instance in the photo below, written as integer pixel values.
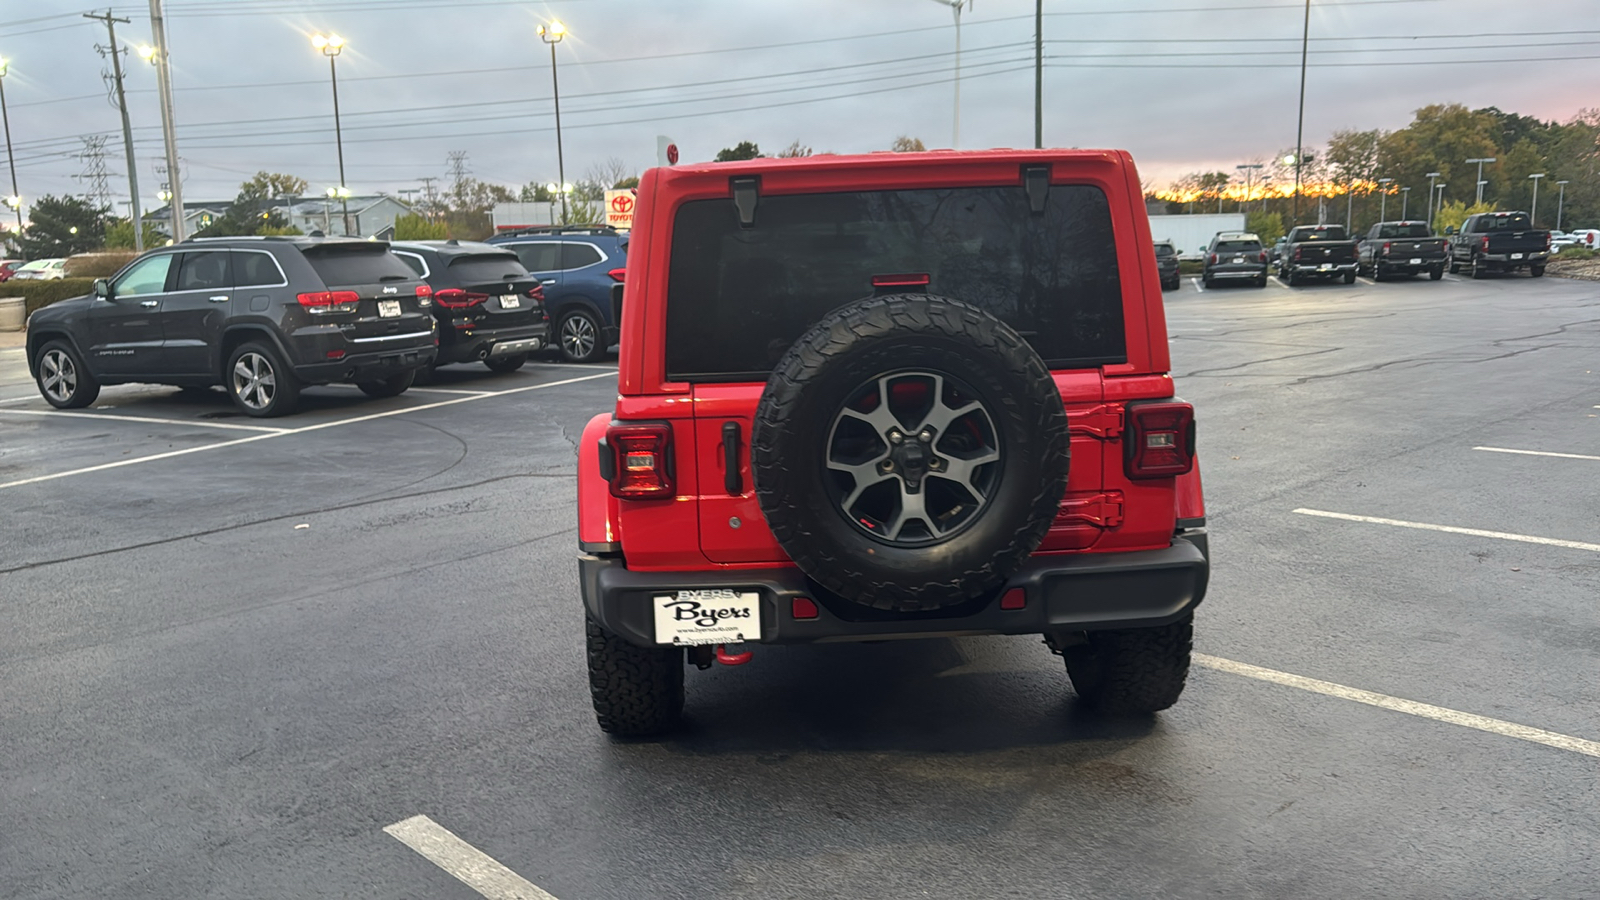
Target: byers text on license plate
(715, 616)
(388, 309)
(510, 301)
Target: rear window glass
(1164, 250)
(1517, 222)
(1327, 234)
(358, 265)
(1238, 246)
(255, 269)
(738, 297)
(1412, 230)
(538, 256)
(576, 256)
(487, 267)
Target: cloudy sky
(1183, 84)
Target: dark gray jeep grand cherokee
(262, 317)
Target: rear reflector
(803, 608)
(642, 460)
(1016, 598)
(1160, 440)
(912, 279)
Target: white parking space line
(610, 373)
(26, 399)
(1410, 707)
(1450, 529)
(1276, 283)
(1366, 280)
(417, 390)
(1197, 286)
(469, 865)
(1538, 452)
(109, 417)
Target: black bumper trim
(360, 366)
(1065, 593)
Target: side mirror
(1449, 229)
(102, 288)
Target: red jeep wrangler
(894, 396)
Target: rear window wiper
(394, 278)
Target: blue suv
(578, 266)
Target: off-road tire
(1132, 671)
(1536, 271)
(393, 386)
(637, 691)
(65, 363)
(859, 342)
(506, 364)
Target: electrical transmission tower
(456, 168)
(95, 178)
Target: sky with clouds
(1183, 84)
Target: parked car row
(1489, 243)
(265, 317)
(37, 270)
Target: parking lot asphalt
(233, 657)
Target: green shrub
(418, 228)
(98, 265)
(37, 294)
(1578, 253)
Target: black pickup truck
(1317, 251)
(1499, 242)
(1401, 248)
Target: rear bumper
(368, 366)
(1240, 272)
(1318, 268)
(495, 343)
(1395, 263)
(1522, 259)
(1065, 594)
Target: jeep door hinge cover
(746, 190)
(1036, 181)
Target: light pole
(1480, 161)
(1560, 203)
(1533, 214)
(1300, 129)
(1248, 169)
(331, 46)
(342, 194)
(1431, 176)
(1405, 202)
(955, 7)
(552, 35)
(162, 60)
(1383, 204)
(15, 200)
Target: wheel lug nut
(926, 435)
(896, 437)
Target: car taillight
(1160, 440)
(1486, 242)
(1297, 253)
(424, 296)
(1263, 256)
(537, 292)
(1213, 258)
(641, 460)
(1547, 240)
(456, 298)
(330, 301)
(1386, 246)
(618, 275)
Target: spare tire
(910, 452)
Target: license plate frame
(1516, 256)
(691, 618)
(1416, 260)
(389, 309)
(510, 301)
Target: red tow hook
(733, 659)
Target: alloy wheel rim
(913, 457)
(58, 376)
(577, 336)
(254, 381)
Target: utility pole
(1431, 177)
(15, 200)
(1533, 215)
(1038, 74)
(127, 129)
(1481, 182)
(1560, 203)
(1300, 130)
(169, 131)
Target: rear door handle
(150, 304)
(223, 298)
(730, 459)
(547, 281)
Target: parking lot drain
(469, 865)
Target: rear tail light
(1213, 258)
(1485, 243)
(456, 298)
(618, 275)
(640, 456)
(1263, 256)
(323, 302)
(1297, 253)
(536, 293)
(424, 296)
(1547, 240)
(1386, 246)
(1160, 440)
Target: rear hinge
(1103, 421)
(1102, 509)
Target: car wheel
(1436, 273)
(1261, 282)
(393, 386)
(1455, 267)
(1478, 270)
(506, 364)
(425, 375)
(1134, 670)
(1293, 280)
(637, 691)
(1536, 271)
(579, 335)
(63, 379)
(910, 452)
(259, 382)
(1349, 278)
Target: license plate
(1516, 256)
(1238, 259)
(510, 301)
(389, 309)
(1416, 261)
(1325, 267)
(719, 616)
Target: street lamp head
(553, 33)
(72, 230)
(566, 188)
(15, 202)
(1561, 182)
(1538, 176)
(1433, 175)
(5, 66)
(1289, 160)
(552, 187)
(147, 53)
(330, 44)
